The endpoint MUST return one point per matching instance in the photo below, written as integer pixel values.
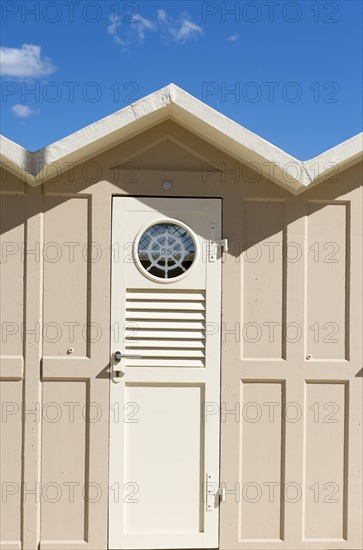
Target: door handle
(118, 355)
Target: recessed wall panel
(325, 461)
(327, 281)
(263, 296)
(261, 452)
(64, 487)
(66, 259)
(12, 273)
(10, 460)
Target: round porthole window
(166, 250)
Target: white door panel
(166, 295)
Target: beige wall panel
(10, 182)
(262, 447)
(65, 275)
(300, 528)
(10, 462)
(331, 211)
(12, 216)
(327, 280)
(263, 279)
(82, 453)
(169, 147)
(64, 510)
(326, 461)
(167, 153)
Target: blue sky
(288, 71)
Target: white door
(165, 382)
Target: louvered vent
(166, 328)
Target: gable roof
(174, 103)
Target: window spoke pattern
(166, 250)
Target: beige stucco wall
(291, 287)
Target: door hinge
(215, 245)
(223, 243)
(214, 494)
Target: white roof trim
(174, 103)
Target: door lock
(117, 370)
(117, 356)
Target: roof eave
(334, 160)
(174, 103)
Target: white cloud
(22, 111)
(26, 61)
(162, 16)
(180, 29)
(115, 22)
(141, 25)
(113, 28)
(138, 25)
(233, 37)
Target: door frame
(214, 479)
